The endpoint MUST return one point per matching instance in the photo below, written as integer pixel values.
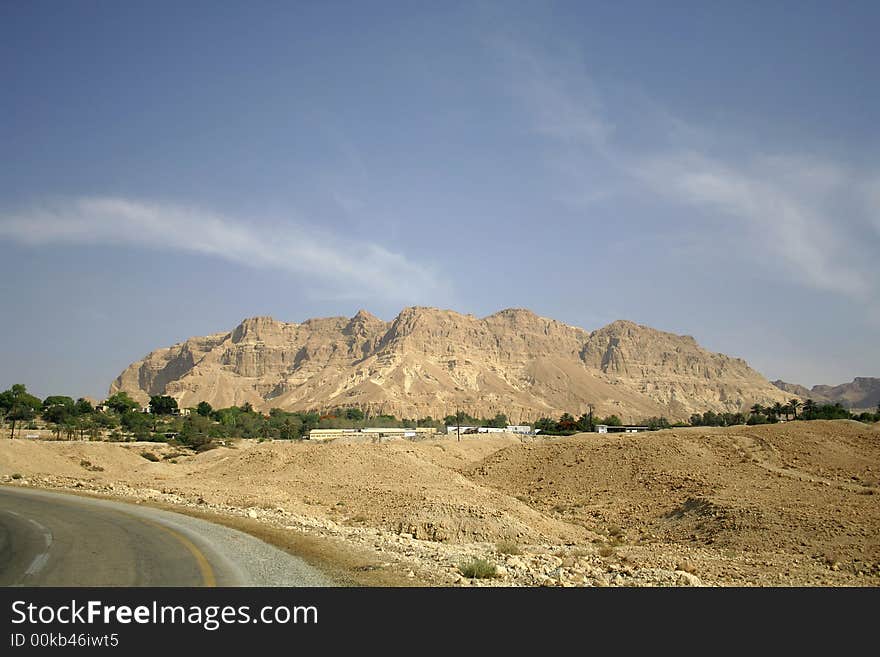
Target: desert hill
(863, 393)
(432, 362)
(792, 504)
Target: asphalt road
(53, 539)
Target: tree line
(121, 417)
(759, 414)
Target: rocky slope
(863, 393)
(431, 362)
(789, 504)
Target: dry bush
(507, 547)
(478, 568)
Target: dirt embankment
(791, 504)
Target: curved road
(53, 539)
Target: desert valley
(764, 503)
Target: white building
(605, 428)
(518, 428)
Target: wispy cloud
(781, 206)
(349, 268)
(809, 217)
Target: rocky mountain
(432, 362)
(795, 389)
(863, 393)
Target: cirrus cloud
(350, 268)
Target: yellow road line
(202, 561)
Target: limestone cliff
(863, 393)
(431, 362)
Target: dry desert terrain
(793, 504)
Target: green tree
(58, 400)
(546, 425)
(83, 407)
(310, 420)
(498, 422)
(795, 404)
(106, 420)
(20, 412)
(291, 428)
(196, 431)
(57, 409)
(136, 423)
(121, 403)
(84, 424)
(163, 405)
(656, 423)
(353, 414)
(17, 405)
(204, 409)
(809, 409)
(585, 422)
(461, 419)
(69, 425)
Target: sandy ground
(789, 504)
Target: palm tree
(757, 409)
(809, 409)
(794, 403)
(778, 409)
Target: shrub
(507, 547)
(16, 475)
(478, 568)
(150, 456)
(606, 551)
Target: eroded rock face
(431, 362)
(863, 393)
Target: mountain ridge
(862, 393)
(429, 361)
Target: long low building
(608, 428)
(511, 428)
(373, 432)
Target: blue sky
(710, 169)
